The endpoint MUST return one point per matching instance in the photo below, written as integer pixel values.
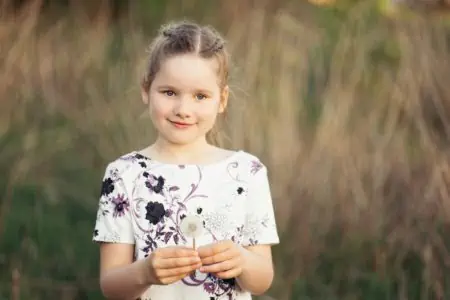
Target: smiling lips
(180, 125)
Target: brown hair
(182, 38)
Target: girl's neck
(197, 152)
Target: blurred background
(346, 102)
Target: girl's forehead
(189, 71)
(190, 62)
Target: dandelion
(192, 226)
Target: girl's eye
(200, 97)
(169, 93)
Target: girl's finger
(219, 257)
(177, 271)
(211, 250)
(221, 267)
(171, 263)
(174, 252)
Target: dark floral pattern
(155, 212)
(214, 286)
(121, 205)
(220, 287)
(162, 232)
(155, 184)
(107, 187)
(140, 156)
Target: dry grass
(355, 130)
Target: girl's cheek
(208, 109)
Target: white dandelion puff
(192, 226)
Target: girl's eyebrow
(166, 86)
(204, 91)
(170, 87)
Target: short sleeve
(114, 221)
(260, 226)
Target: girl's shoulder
(246, 163)
(247, 158)
(126, 164)
(253, 164)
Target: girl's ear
(224, 99)
(144, 95)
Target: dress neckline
(221, 161)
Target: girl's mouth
(180, 125)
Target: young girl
(183, 219)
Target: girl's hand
(168, 265)
(224, 259)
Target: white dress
(143, 201)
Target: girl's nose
(183, 108)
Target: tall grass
(349, 110)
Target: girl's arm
(257, 269)
(257, 266)
(120, 278)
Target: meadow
(349, 108)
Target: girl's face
(185, 98)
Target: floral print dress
(143, 202)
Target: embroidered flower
(121, 205)
(168, 213)
(140, 156)
(217, 288)
(150, 245)
(256, 166)
(209, 287)
(107, 186)
(229, 281)
(155, 184)
(155, 212)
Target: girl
(183, 219)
